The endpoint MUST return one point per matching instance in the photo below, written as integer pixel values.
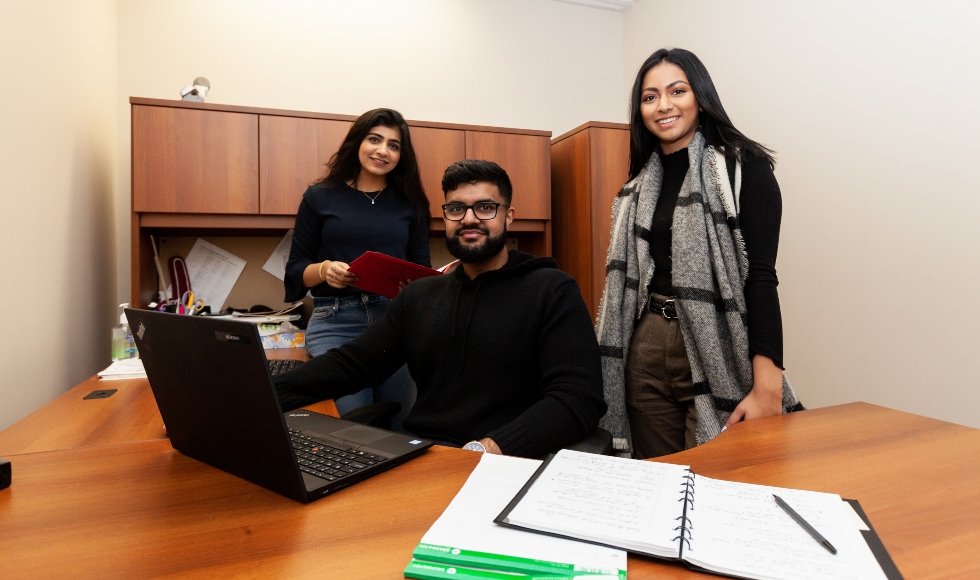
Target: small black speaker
(4, 474)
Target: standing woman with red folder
(371, 199)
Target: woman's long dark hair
(345, 165)
(714, 123)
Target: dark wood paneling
(571, 211)
(436, 149)
(293, 153)
(609, 160)
(329, 116)
(527, 161)
(588, 125)
(195, 161)
(232, 222)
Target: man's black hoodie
(509, 355)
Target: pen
(806, 526)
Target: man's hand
(491, 446)
(766, 397)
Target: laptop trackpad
(361, 434)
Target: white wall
(871, 107)
(57, 164)
(532, 64)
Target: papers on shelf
(276, 264)
(127, 368)
(213, 273)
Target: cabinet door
(195, 161)
(436, 149)
(294, 152)
(527, 160)
(610, 162)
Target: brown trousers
(659, 389)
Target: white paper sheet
(127, 368)
(613, 500)
(467, 524)
(213, 273)
(276, 264)
(740, 530)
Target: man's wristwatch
(475, 446)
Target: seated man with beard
(502, 349)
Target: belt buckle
(663, 309)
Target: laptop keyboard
(327, 460)
(279, 366)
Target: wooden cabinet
(194, 161)
(436, 149)
(589, 165)
(293, 153)
(224, 170)
(525, 158)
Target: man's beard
(490, 247)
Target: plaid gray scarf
(709, 271)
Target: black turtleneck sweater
(509, 355)
(760, 212)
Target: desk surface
(129, 415)
(143, 510)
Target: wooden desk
(144, 510)
(130, 414)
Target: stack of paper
(465, 543)
(127, 368)
(275, 330)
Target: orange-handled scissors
(188, 305)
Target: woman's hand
(766, 397)
(337, 274)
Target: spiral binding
(687, 496)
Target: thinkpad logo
(299, 414)
(141, 331)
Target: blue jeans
(337, 321)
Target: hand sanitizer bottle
(123, 345)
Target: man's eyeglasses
(484, 210)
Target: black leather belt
(665, 308)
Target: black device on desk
(215, 393)
(4, 474)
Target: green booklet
(465, 539)
(424, 570)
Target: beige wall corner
(57, 173)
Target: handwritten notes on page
(611, 500)
(213, 273)
(738, 529)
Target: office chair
(599, 443)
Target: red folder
(380, 273)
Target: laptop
(214, 390)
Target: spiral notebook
(724, 527)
